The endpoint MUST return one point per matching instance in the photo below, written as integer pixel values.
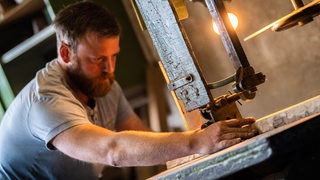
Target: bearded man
(73, 117)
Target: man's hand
(222, 134)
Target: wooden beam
(175, 53)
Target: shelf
(21, 10)
(28, 44)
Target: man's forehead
(98, 44)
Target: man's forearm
(134, 148)
(94, 144)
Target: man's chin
(102, 90)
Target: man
(73, 115)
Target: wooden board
(281, 133)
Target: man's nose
(109, 65)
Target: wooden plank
(298, 124)
(22, 10)
(289, 115)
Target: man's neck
(83, 98)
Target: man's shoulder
(50, 81)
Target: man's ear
(64, 51)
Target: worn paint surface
(176, 54)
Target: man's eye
(97, 60)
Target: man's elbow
(114, 156)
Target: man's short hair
(77, 19)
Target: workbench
(287, 147)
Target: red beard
(96, 87)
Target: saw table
(289, 143)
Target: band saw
(185, 79)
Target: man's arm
(94, 144)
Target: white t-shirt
(42, 110)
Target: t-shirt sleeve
(50, 116)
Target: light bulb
(234, 22)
